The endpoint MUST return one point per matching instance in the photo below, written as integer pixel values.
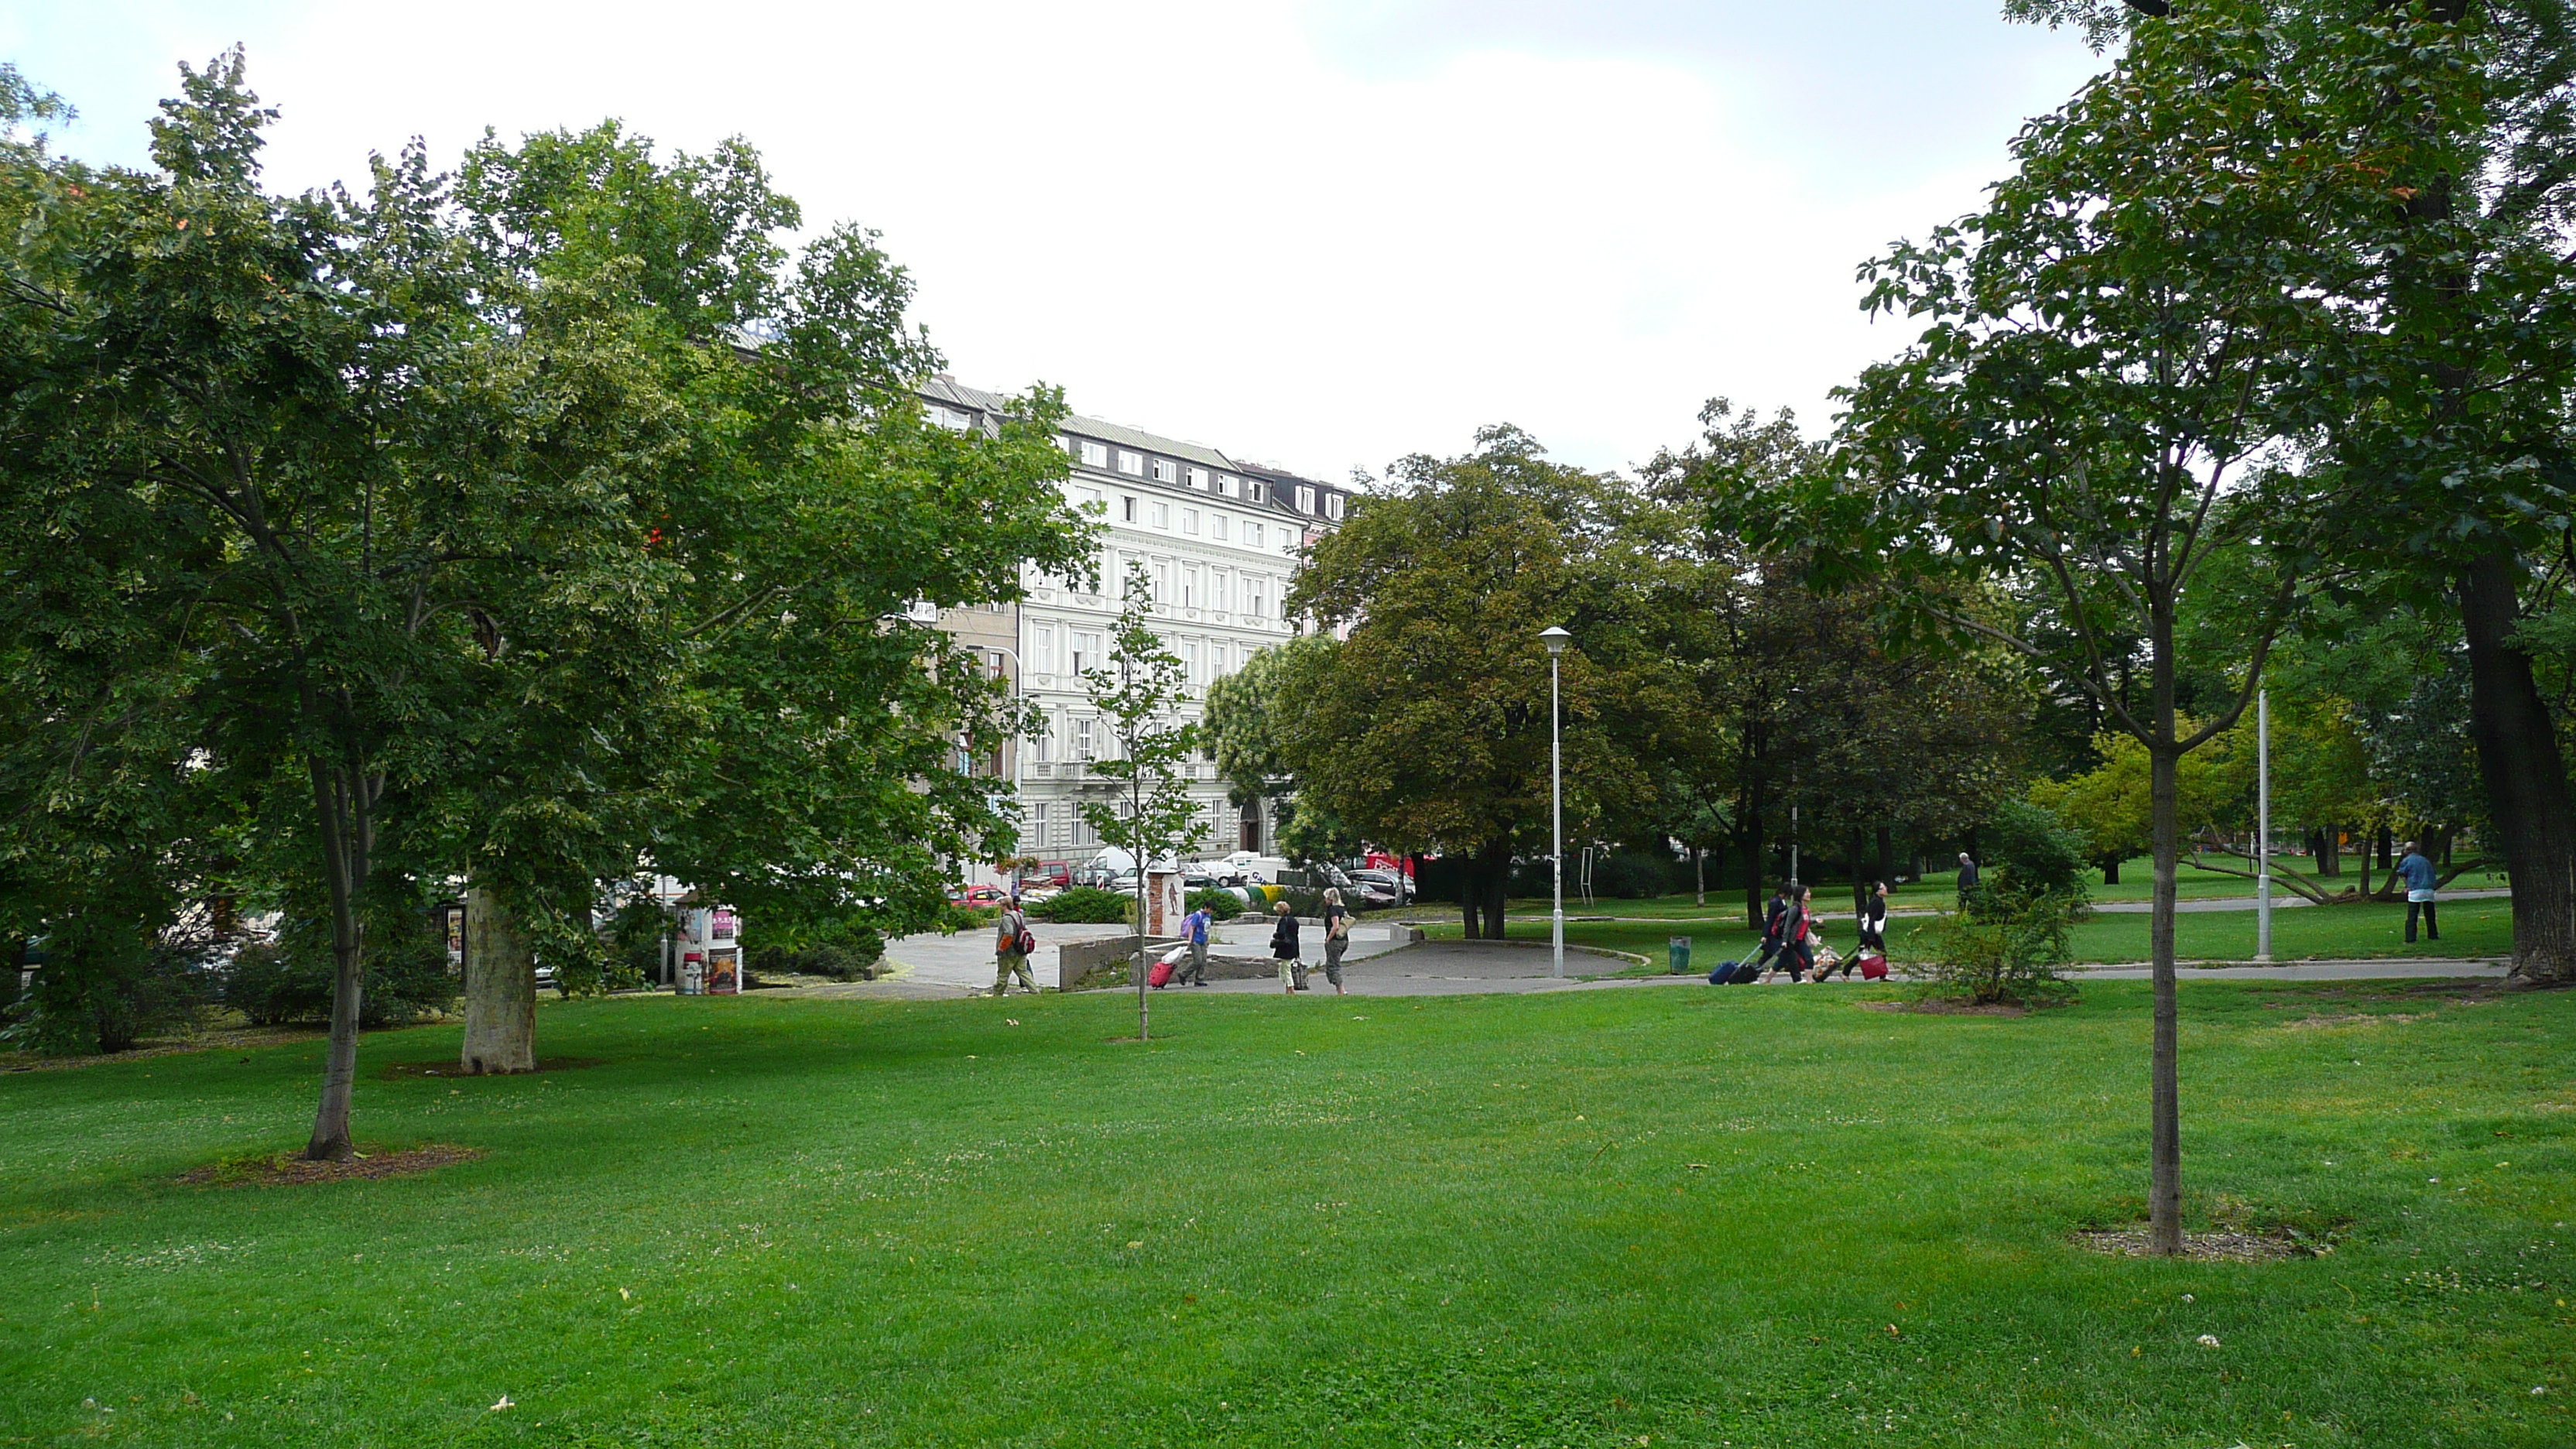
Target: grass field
(1940, 889)
(2469, 928)
(1656, 1216)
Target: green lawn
(2469, 928)
(1940, 889)
(1664, 1215)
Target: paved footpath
(934, 968)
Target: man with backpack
(1012, 943)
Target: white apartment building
(1219, 538)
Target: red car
(979, 896)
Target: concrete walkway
(931, 967)
(2281, 900)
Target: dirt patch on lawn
(286, 1169)
(1945, 1008)
(451, 1068)
(2199, 1247)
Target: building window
(1095, 455)
(1083, 748)
(1042, 650)
(1199, 479)
(1042, 746)
(1189, 586)
(1216, 526)
(1165, 472)
(1252, 534)
(1252, 597)
(1127, 508)
(1189, 520)
(1162, 580)
(1094, 502)
(1131, 464)
(1086, 655)
(1305, 499)
(1226, 484)
(1253, 490)
(1333, 506)
(1190, 661)
(1162, 515)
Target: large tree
(1427, 728)
(536, 549)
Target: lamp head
(1556, 638)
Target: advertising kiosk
(708, 942)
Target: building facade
(1218, 538)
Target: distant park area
(1646, 1216)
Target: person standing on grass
(1283, 949)
(1195, 927)
(1337, 938)
(1011, 942)
(2419, 891)
(1967, 878)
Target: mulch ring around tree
(449, 1068)
(2199, 1247)
(1937, 1007)
(288, 1169)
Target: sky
(1320, 235)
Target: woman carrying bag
(1283, 948)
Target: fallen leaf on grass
(504, 1404)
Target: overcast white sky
(1319, 234)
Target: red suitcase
(1873, 967)
(1160, 976)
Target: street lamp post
(2262, 825)
(1555, 637)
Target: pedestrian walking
(1774, 917)
(2419, 891)
(1797, 935)
(1873, 920)
(1195, 926)
(1283, 949)
(1337, 937)
(1967, 878)
(1012, 943)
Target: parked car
(1394, 881)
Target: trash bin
(1677, 954)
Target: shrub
(2004, 949)
(289, 978)
(1085, 905)
(1631, 875)
(1220, 903)
(852, 953)
(104, 987)
(2032, 851)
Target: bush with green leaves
(1086, 905)
(2005, 949)
(1219, 903)
(2030, 850)
(288, 978)
(105, 986)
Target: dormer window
(1333, 506)
(1094, 455)
(1253, 490)
(1131, 464)
(1165, 471)
(1305, 499)
(1198, 479)
(1228, 485)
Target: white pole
(2262, 825)
(1556, 812)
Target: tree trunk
(1471, 895)
(340, 807)
(1498, 887)
(1887, 856)
(2387, 850)
(500, 991)
(2111, 869)
(2526, 778)
(1860, 888)
(2329, 852)
(1699, 874)
(1750, 833)
(2164, 1195)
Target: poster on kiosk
(710, 951)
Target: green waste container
(1677, 955)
